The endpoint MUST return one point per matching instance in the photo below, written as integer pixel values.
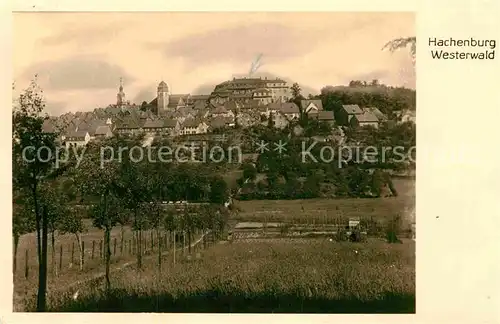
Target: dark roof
(274, 106)
(352, 109)
(220, 110)
(91, 126)
(376, 112)
(325, 115)
(316, 102)
(77, 135)
(199, 97)
(367, 117)
(154, 123)
(289, 108)
(191, 122)
(129, 122)
(102, 130)
(198, 105)
(169, 123)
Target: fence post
(60, 257)
(130, 247)
(26, 271)
(93, 248)
(152, 242)
(83, 253)
(114, 246)
(72, 252)
(100, 249)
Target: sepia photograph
(214, 162)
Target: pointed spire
(121, 84)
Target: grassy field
(278, 275)
(332, 211)
(268, 275)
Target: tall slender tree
(102, 182)
(33, 163)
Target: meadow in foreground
(278, 275)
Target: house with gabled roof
(374, 110)
(171, 127)
(77, 139)
(290, 110)
(311, 107)
(221, 111)
(281, 120)
(346, 113)
(326, 116)
(153, 126)
(365, 119)
(129, 125)
(193, 126)
(103, 132)
(220, 122)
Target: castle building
(244, 90)
(166, 102)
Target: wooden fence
(66, 256)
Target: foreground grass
(282, 275)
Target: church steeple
(120, 96)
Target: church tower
(163, 95)
(120, 96)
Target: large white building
(264, 90)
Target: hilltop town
(237, 103)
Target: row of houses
(80, 128)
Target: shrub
(357, 236)
(341, 235)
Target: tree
(131, 189)
(249, 171)
(72, 222)
(219, 193)
(403, 42)
(296, 90)
(155, 183)
(101, 182)
(54, 204)
(33, 163)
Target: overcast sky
(80, 57)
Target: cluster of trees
(120, 192)
(327, 169)
(388, 100)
